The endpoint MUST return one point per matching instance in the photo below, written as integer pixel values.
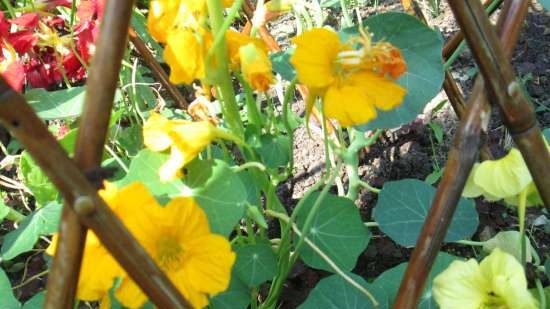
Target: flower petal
(460, 286)
(507, 280)
(383, 93)
(210, 261)
(155, 133)
(129, 294)
(316, 50)
(505, 177)
(348, 104)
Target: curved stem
(521, 217)
(221, 76)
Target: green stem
(220, 36)
(470, 243)
(312, 213)
(521, 217)
(8, 5)
(284, 266)
(542, 294)
(222, 77)
(14, 215)
(252, 111)
(248, 165)
(367, 186)
(286, 121)
(351, 161)
(347, 17)
(324, 256)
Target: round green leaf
(237, 296)
(145, 168)
(7, 299)
(337, 230)
(421, 47)
(335, 293)
(42, 222)
(403, 206)
(256, 264)
(273, 150)
(219, 191)
(385, 287)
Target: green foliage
(335, 292)
(7, 299)
(60, 104)
(37, 301)
(237, 295)
(545, 4)
(219, 191)
(273, 150)
(421, 47)
(403, 206)
(281, 64)
(42, 222)
(256, 264)
(386, 285)
(36, 180)
(337, 230)
(144, 168)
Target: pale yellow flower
(498, 282)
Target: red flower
(14, 74)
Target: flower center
(494, 301)
(169, 253)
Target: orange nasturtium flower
(185, 139)
(353, 82)
(177, 237)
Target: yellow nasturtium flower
(353, 82)
(185, 139)
(236, 40)
(185, 54)
(256, 67)
(498, 282)
(177, 237)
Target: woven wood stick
(461, 158)
(19, 118)
(157, 70)
(100, 92)
(505, 92)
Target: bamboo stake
(92, 132)
(157, 70)
(460, 161)
(19, 118)
(449, 84)
(517, 112)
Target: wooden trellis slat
(92, 132)
(505, 91)
(466, 142)
(22, 122)
(157, 70)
